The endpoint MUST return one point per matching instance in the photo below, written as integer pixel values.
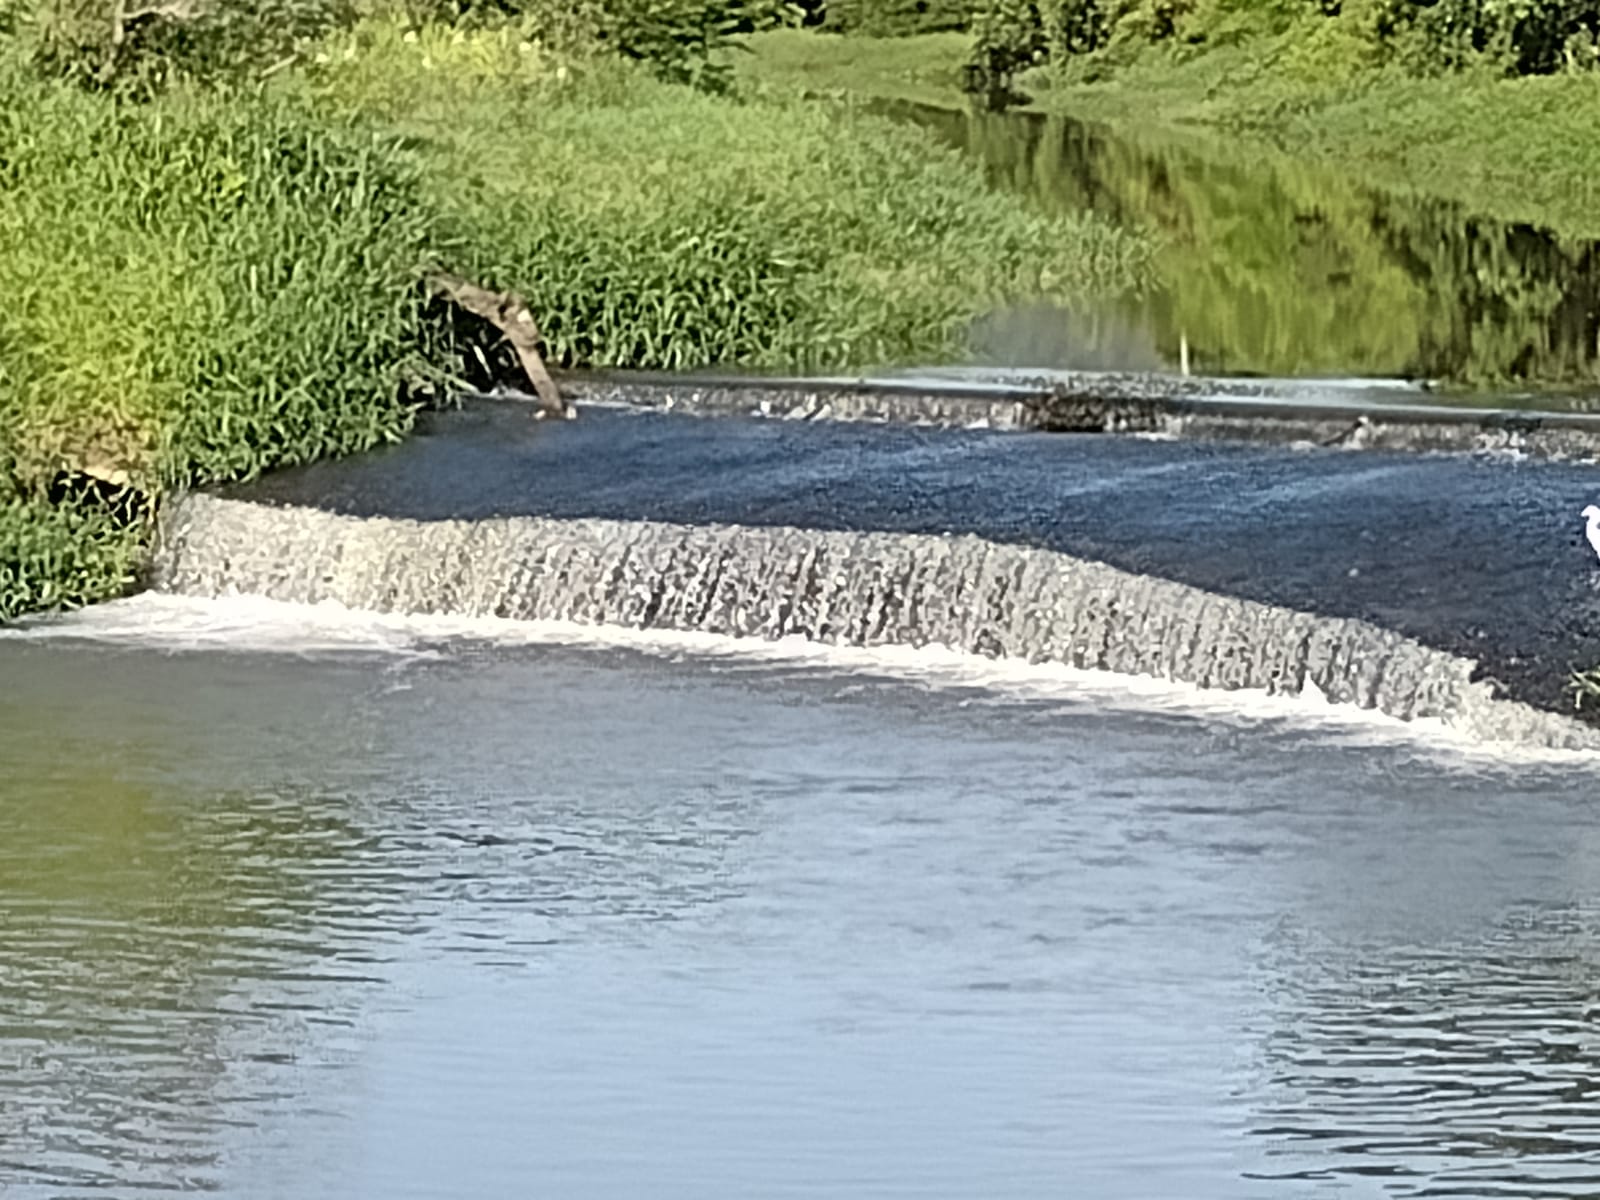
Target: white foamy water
(259, 625)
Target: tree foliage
(683, 40)
(129, 44)
(143, 45)
(1520, 37)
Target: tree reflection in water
(1271, 266)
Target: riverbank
(207, 284)
(1525, 150)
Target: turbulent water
(862, 589)
(308, 902)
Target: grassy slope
(197, 289)
(653, 226)
(218, 283)
(1516, 149)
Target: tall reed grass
(653, 226)
(203, 287)
(196, 289)
(220, 281)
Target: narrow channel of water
(1275, 267)
(366, 908)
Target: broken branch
(508, 313)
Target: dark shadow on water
(1270, 266)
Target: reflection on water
(517, 921)
(1274, 267)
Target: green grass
(198, 289)
(1516, 149)
(219, 282)
(61, 555)
(201, 288)
(653, 226)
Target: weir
(1355, 414)
(854, 589)
(1441, 586)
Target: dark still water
(354, 915)
(1270, 266)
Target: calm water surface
(509, 921)
(1268, 265)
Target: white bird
(1592, 530)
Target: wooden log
(508, 312)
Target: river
(1269, 265)
(301, 903)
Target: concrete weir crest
(861, 589)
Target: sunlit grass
(653, 226)
(215, 283)
(197, 289)
(200, 288)
(924, 68)
(1516, 149)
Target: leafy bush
(1008, 36)
(1075, 26)
(1321, 39)
(682, 41)
(686, 41)
(142, 48)
(1523, 37)
(1332, 52)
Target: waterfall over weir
(861, 589)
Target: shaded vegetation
(61, 555)
(896, 18)
(141, 48)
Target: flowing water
(307, 903)
(1271, 266)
